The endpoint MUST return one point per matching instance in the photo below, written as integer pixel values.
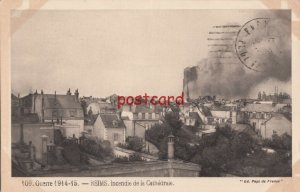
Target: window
(115, 123)
(143, 115)
(72, 113)
(116, 136)
(157, 115)
(140, 115)
(54, 113)
(150, 115)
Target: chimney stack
(77, 95)
(21, 134)
(171, 147)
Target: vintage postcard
(183, 96)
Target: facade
(139, 118)
(63, 110)
(101, 107)
(277, 124)
(224, 114)
(188, 111)
(110, 127)
(37, 135)
(137, 169)
(257, 113)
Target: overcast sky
(104, 52)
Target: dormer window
(115, 123)
(72, 113)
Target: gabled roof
(262, 107)
(61, 101)
(223, 108)
(90, 119)
(27, 118)
(277, 116)
(206, 111)
(111, 120)
(13, 97)
(196, 116)
(143, 108)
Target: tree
(241, 145)
(135, 143)
(283, 142)
(135, 157)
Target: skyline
(122, 52)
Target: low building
(101, 107)
(38, 135)
(257, 113)
(223, 114)
(139, 118)
(65, 110)
(277, 124)
(110, 127)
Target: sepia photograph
(151, 93)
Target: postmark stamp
(255, 44)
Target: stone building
(64, 110)
(110, 127)
(277, 124)
(139, 118)
(224, 114)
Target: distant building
(139, 118)
(101, 107)
(275, 97)
(223, 114)
(193, 119)
(257, 113)
(110, 127)
(202, 111)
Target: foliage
(283, 142)
(98, 148)
(225, 151)
(72, 155)
(133, 157)
(121, 159)
(135, 143)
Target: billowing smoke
(223, 74)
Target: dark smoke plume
(222, 74)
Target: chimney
(76, 95)
(171, 147)
(43, 105)
(44, 148)
(19, 105)
(34, 99)
(21, 134)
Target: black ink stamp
(255, 43)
